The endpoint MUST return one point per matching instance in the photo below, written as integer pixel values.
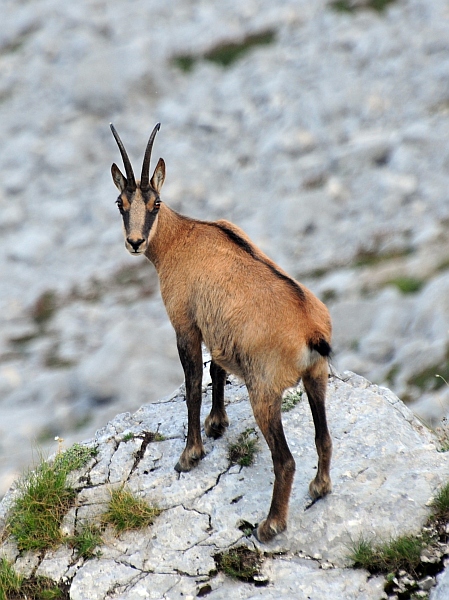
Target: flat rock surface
(385, 469)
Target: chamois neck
(170, 230)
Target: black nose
(135, 243)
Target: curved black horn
(126, 162)
(145, 178)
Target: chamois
(256, 321)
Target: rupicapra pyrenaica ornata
(256, 321)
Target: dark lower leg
(189, 348)
(316, 393)
(217, 421)
(284, 470)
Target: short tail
(321, 346)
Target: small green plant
(86, 541)
(126, 512)
(240, 563)
(75, 457)
(128, 437)
(10, 581)
(440, 504)
(35, 518)
(243, 451)
(42, 588)
(15, 586)
(399, 553)
(407, 285)
(225, 54)
(185, 62)
(442, 432)
(351, 6)
(290, 400)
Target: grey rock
(385, 464)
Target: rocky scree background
(328, 145)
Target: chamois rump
(256, 321)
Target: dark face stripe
(247, 247)
(150, 217)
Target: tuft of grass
(10, 581)
(185, 62)
(243, 451)
(225, 54)
(36, 516)
(440, 504)
(407, 285)
(74, 458)
(239, 563)
(86, 541)
(370, 258)
(351, 6)
(14, 586)
(290, 400)
(401, 553)
(127, 512)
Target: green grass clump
(402, 553)
(14, 586)
(239, 563)
(243, 451)
(41, 588)
(350, 6)
(225, 54)
(86, 541)
(75, 457)
(10, 581)
(126, 512)
(36, 516)
(290, 400)
(407, 285)
(440, 504)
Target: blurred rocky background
(321, 128)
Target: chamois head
(139, 201)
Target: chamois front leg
(217, 421)
(189, 349)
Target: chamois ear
(158, 178)
(117, 177)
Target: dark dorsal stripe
(249, 249)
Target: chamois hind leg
(267, 412)
(189, 349)
(315, 383)
(217, 421)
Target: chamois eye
(157, 203)
(120, 205)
